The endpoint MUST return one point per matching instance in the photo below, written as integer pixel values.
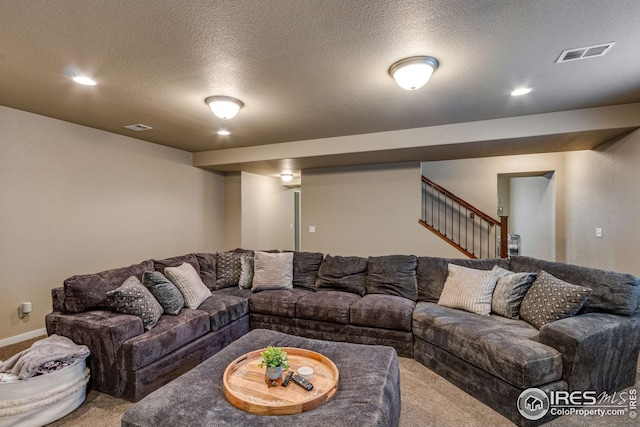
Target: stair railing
(461, 224)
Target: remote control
(287, 378)
(302, 382)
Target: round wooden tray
(245, 388)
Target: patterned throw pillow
(246, 271)
(272, 271)
(188, 282)
(510, 290)
(228, 270)
(133, 298)
(468, 289)
(164, 291)
(550, 298)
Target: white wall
(77, 200)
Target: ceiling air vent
(585, 52)
(139, 127)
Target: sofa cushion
(327, 306)
(305, 269)
(342, 274)
(246, 271)
(170, 333)
(188, 281)
(89, 291)
(207, 263)
(164, 291)
(432, 273)
(550, 298)
(505, 348)
(510, 291)
(469, 289)
(382, 311)
(132, 297)
(392, 275)
(272, 271)
(277, 302)
(228, 270)
(615, 293)
(160, 265)
(224, 309)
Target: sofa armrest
(599, 350)
(103, 332)
(57, 298)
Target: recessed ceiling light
(84, 81)
(224, 132)
(521, 91)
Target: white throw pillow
(189, 283)
(469, 289)
(272, 271)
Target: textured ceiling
(308, 69)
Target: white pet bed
(45, 398)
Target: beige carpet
(427, 400)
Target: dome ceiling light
(413, 73)
(224, 107)
(286, 176)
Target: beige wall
(77, 200)
(233, 210)
(603, 191)
(366, 210)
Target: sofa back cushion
(432, 272)
(207, 264)
(88, 291)
(342, 273)
(161, 264)
(392, 275)
(615, 293)
(305, 269)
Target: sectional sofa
(488, 326)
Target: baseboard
(23, 337)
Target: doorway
(529, 199)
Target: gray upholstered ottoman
(368, 392)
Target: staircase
(462, 225)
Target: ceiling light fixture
(224, 132)
(224, 107)
(521, 91)
(84, 81)
(286, 176)
(413, 73)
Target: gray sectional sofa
(387, 300)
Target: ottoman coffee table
(368, 391)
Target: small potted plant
(276, 360)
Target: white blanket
(56, 347)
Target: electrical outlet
(598, 232)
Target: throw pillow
(468, 289)
(246, 272)
(342, 273)
(188, 282)
(133, 298)
(164, 291)
(305, 269)
(509, 292)
(392, 275)
(272, 271)
(550, 298)
(228, 270)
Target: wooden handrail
(461, 202)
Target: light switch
(598, 232)
(312, 229)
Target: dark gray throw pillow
(133, 298)
(305, 269)
(339, 273)
(550, 299)
(392, 275)
(228, 270)
(510, 291)
(169, 297)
